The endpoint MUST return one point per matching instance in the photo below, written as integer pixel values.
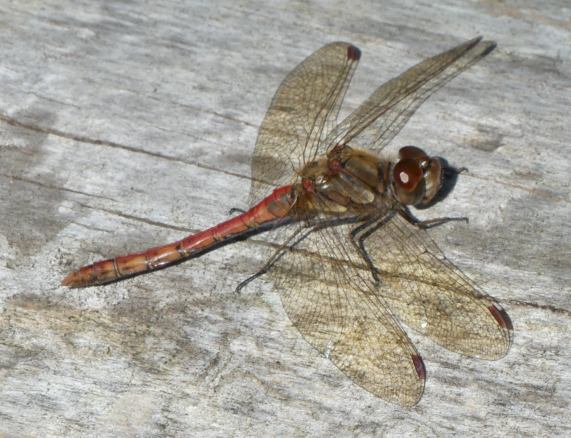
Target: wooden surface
(129, 124)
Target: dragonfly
(352, 263)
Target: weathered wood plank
(129, 124)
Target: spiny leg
(261, 272)
(235, 210)
(273, 259)
(372, 225)
(358, 242)
(431, 223)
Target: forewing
(327, 294)
(379, 119)
(303, 110)
(432, 296)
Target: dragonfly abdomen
(274, 207)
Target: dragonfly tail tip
(71, 280)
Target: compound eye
(412, 152)
(407, 174)
(433, 174)
(433, 177)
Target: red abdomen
(274, 207)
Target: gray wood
(125, 125)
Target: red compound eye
(412, 152)
(407, 174)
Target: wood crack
(84, 139)
(54, 187)
(548, 307)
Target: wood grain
(125, 125)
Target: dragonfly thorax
(346, 180)
(355, 180)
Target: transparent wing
(432, 296)
(303, 110)
(326, 292)
(379, 119)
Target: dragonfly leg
(235, 210)
(461, 170)
(273, 259)
(405, 214)
(252, 277)
(358, 242)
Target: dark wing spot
(419, 365)
(501, 317)
(353, 53)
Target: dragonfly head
(416, 178)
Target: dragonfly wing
(303, 110)
(327, 295)
(380, 118)
(432, 296)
